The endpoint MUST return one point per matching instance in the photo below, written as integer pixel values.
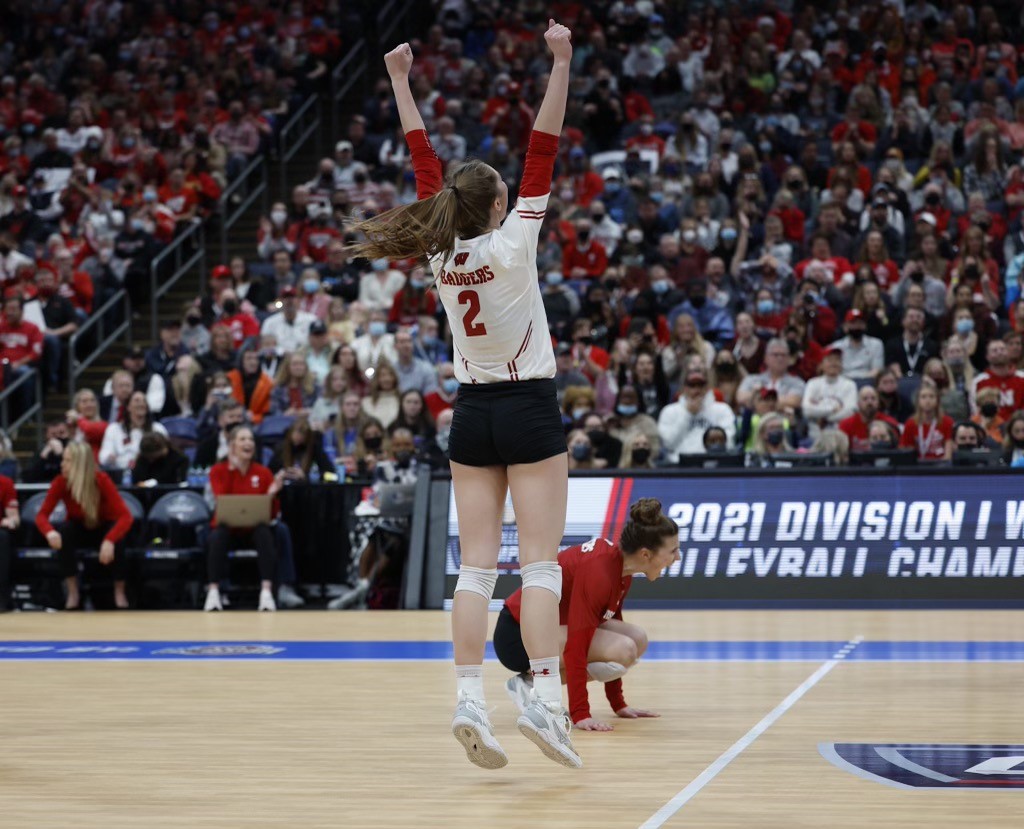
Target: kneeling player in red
(596, 643)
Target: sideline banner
(792, 537)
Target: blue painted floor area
(664, 651)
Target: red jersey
(179, 202)
(593, 589)
(1011, 390)
(242, 326)
(224, 480)
(855, 427)
(593, 259)
(929, 439)
(20, 341)
(437, 404)
(112, 507)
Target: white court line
(659, 818)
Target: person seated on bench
(97, 517)
(240, 475)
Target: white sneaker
(287, 597)
(267, 601)
(213, 601)
(520, 691)
(473, 729)
(549, 731)
(353, 597)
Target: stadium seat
(183, 432)
(171, 549)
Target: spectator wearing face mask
(714, 322)
(587, 258)
(638, 454)
(605, 229)
(988, 417)
(561, 303)
(770, 441)
(863, 356)
(276, 233)
(377, 289)
(581, 453)
(606, 448)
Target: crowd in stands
(778, 230)
(120, 125)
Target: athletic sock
(469, 681)
(547, 681)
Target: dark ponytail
(429, 227)
(647, 527)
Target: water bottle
(314, 474)
(126, 476)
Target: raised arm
(543, 149)
(426, 164)
(552, 109)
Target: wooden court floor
(360, 738)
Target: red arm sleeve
(54, 494)
(613, 689)
(539, 166)
(589, 597)
(111, 498)
(425, 162)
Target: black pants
(508, 643)
(75, 537)
(223, 539)
(5, 569)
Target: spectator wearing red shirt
(858, 425)
(645, 139)
(241, 325)
(8, 524)
(929, 431)
(588, 258)
(862, 134)
(21, 346)
(74, 285)
(447, 391)
(1003, 376)
(240, 475)
(178, 198)
(582, 185)
(316, 238)
(96, 517)
(599, 645)
(414, 300)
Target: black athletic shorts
(501, 424)
(508, 643)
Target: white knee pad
(544, 574)
(605, 671)
(477, 580)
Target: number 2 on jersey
(472, 299)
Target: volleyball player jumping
(599, 645)
(507, 431)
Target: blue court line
(348, 651)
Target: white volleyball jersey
(490, 291)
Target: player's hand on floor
(630, 713)
(590, 724)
